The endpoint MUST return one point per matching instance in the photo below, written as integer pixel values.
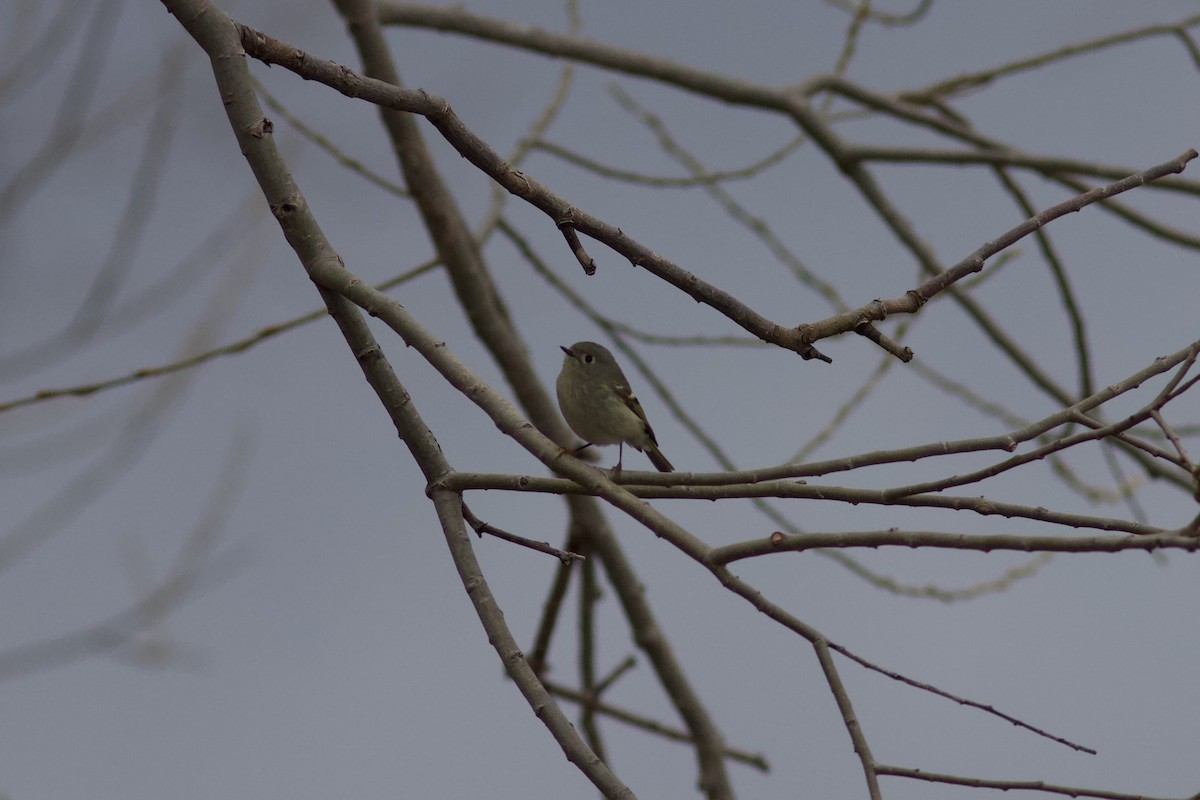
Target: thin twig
(756, 760)
(1030, 786)
(480, 527)
(975, 542)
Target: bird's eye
(588, 359)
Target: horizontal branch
(983, 543)
(1011, 158)
(1031, 786)
(467, 481)
(581, 49)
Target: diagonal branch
(217, 35)
(800, 338)
(484, 305)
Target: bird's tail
(658, 459)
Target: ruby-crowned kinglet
(598, 404)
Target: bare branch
(1031, 786)
(849, 718)
(480, 527)
(977, 542)
(756, 760)
(217, 34)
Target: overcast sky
(327, 648)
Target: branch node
(566, 226)
(917, 298)
(803, 344)
(867, 329)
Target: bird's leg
(616, 471)
(581, 448)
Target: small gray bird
(598, 404)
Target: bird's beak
(567, 350)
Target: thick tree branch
(218, 36)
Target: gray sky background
(328, 648)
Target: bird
(595, 398)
